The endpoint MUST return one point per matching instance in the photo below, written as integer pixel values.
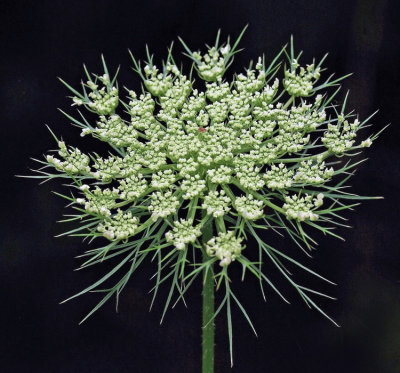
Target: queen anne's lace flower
(216, 203)
(98, 201)
(300, 84)
(340, 137)
(310, 172)
(249, 207)
(180, 144)
(279, 177)
(220, 175)
(182, 234)
(132, 187)
(301, 208)
(114, 131)
(211, 66)
(102, 101)
(192, 186)
(163, 179)
(75, 162)
(163, 204)
(241, 155)
(249, 176)
(119, 227)
(225, 247)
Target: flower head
(225, 247)
(206, 166)
(182, 234)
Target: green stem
(259, 196)
(208, 309)
(290, 101)
(321, 156)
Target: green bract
(264, 151)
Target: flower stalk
(208, 328)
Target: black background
(41, 40)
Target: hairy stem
(208, 310)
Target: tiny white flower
(109, 235)
(225, 50)
(366, 143)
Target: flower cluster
(300, 84)
(180, 144)
(279, 177)
(163, 179)
(182, 234)
(225, 247)
(310, 172)
(132, 187)
(220, 175)
(216, 203)
(156, 83)
(211, 66)
(248, 175)
(163, 204)
(102, 101)
(75, 162)
(259, 151)
(340, 137)
(249, 207)
(119, 227)
(302, 208)
(113, 130)
(98, 201)
(192, 186)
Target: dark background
(40, 40)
